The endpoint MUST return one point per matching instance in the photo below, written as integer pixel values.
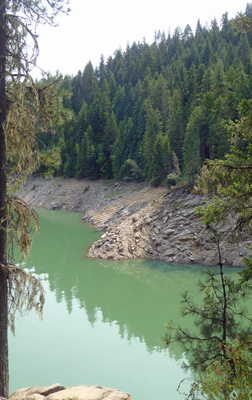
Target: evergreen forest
(157, 111)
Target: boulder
(84, 392)
(42, 391)
(58, 392)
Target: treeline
(156, 112)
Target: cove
(104, 321)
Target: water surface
(104, 321)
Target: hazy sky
(96, 27)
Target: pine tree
(89, 83)
(220, 320)
(84, 156)
(191, 146)
(231, 176)
(207, 53)
(116, 156)
(176, 124)
(244, 53)
(161, 159)
(77, 90)
(180, 72)
(4, 377)
(104, 106)
(24, 107)
(108, 140)
(153, 129)
(81, 122)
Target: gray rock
(178, 219)
(189, 212)
(166, 221)
(185, 238)
(55, 206)
(167, 232)
(164, 213)
(193, 201)
(185, 235)
(170, 253)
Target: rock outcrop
(58, 392)
(168, 230)
(139, 221)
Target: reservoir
(104, 321)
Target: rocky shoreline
(138, 221)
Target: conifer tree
(219, 321)
(81, 122)
(191, 148)
(4, 378)
(84, 155)
(244, 53)
(24, 107)
(153, 128)
(210, 70)
(89, 82)
(161, 159)
(176, 123)
(231, 177)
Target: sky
(100, 27)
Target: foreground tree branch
(218, 320)
(4, 377)
(26, 108)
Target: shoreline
(138, 220)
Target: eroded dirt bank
(138, 221)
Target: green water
(103, 320)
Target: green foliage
(229, 379)
(191, 148)
(174, 177)
(219, 348)
(242, 23)
(27, 108)
(223, 345)
(186, 86)
(130, 170)
(34, 110)
(217, 321)
(231, 177)
(155, 146)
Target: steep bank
(138, 221)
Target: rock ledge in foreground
(58, 392)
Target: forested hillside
(157, 111)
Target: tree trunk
(4, 368)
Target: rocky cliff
(138, 221)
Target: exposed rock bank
(169, 230)
(139, 221)
(58, 392)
